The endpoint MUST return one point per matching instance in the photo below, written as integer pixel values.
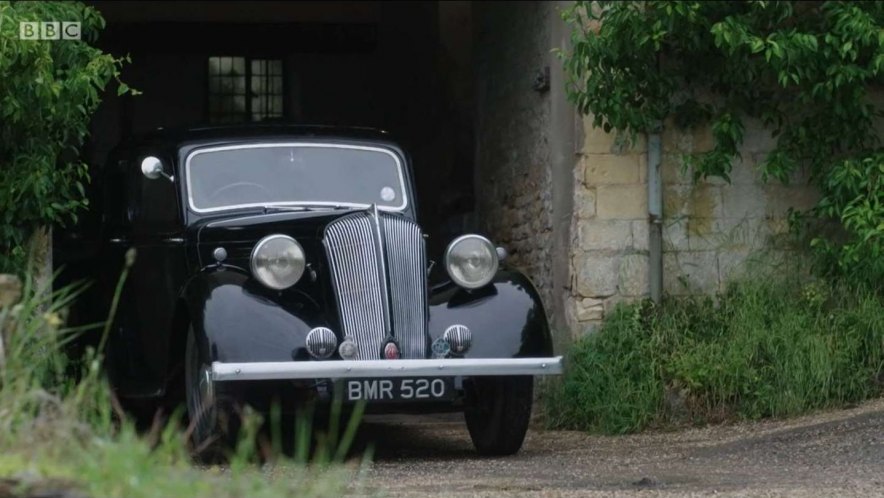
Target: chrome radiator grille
(407, 270)
(378, 271)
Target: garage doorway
(404, 67)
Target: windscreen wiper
(307, 207)
(276, 209)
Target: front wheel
(214, 423)
(498, 412)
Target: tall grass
(764, 348)
(60, 423)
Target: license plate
(400, 389)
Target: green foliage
(48, 92)
(58, 423)
(808, 71)
(767, 348)
(855, 197)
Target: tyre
(497, 413)
(213, 415)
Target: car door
(151, 225)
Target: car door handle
(118, 240)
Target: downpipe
(655, 216)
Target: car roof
(175, 136)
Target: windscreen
(294, 174)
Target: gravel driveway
(837, 453)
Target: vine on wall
(809, 71)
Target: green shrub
(854, 196)
(765, 348)
(48, 93)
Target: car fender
(506, 318)
(235, 319)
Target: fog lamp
(459, 337)
(321, 342)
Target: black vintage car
(286, 263)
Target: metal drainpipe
(655, 217)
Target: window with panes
(245, 89)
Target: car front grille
(378, 269)
(407, 270)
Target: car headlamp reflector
(278, 261)
(471, 261)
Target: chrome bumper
(385, 368)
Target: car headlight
(471, 261)
(278, 261)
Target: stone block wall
(513, 190)
(712, 231)
(609, 257)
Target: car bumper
(343, 369)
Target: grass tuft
(62, 428)
(764, 348)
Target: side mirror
(152, 168)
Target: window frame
(212, 117)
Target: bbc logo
(49, 30)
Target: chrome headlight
(278, 261)
(471, 261)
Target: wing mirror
(152, 168)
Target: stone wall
(609, 257)
(513, 192)
(712, 230)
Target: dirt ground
(836, 453)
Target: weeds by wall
(765, 348)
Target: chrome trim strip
(382, 277)
(386, 368)
(268, 145)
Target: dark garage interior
(404, 67)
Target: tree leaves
(48, 92)
(803, 68)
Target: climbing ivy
(809, 71)
(48, 92)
